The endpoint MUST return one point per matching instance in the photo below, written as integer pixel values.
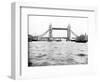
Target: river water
(43, 53)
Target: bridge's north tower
(50, 32)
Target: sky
(39, 24)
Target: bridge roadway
(53, 38)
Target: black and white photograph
(52, 41)
(57, 40)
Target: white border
(19, 71)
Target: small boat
(79, 41)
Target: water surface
(43, 53)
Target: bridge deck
(53, 37)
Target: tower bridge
(50, 31)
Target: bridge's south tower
(68, 32)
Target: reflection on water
(44, 53)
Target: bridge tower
(69, 32)
(50, 32)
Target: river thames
(44, 53)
